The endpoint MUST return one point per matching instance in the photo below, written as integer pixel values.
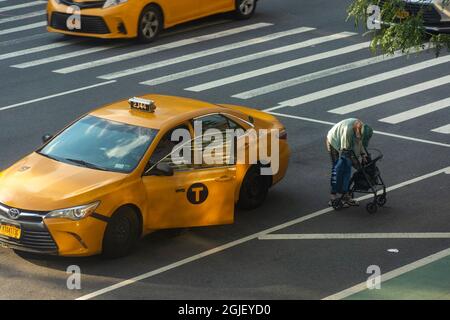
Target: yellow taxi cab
(117, 174)
(142, 19)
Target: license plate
(402, 14)
(10, 231)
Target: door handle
(223, 179)
(180, 190)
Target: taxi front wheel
(122, 233)
(254, 189)
(244, 9)
(150, 24)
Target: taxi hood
(42, 184)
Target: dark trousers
(341, 170)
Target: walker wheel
(371, 207)
(381, 200)
(337, 204)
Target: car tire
(122, 233)
(150, 24)
(254, 189)
(245, 9)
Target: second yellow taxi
(142, 19)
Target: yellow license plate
(402, 14)
(10, 231)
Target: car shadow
(181, 29)
(164, 247)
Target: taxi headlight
(75, 213)
(110, 3)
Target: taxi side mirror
(46, 138)
(161, 169)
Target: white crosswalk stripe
(247, 58)
(23, 16)
(36, 49)
(23, 28)
(364, 104)
(64, 56)
(417, 112)
(445, 129)
(22, 5)
(269, 44)
(363, 82)
(313, 76)
(205, 53)
(160, 48)
(278, 67)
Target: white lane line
(160, 48)
(298, 101)
(23, 28)
(204, 53)
(391, 274)
(349, 236)
(417, 112)
(37, 49)
(23, 16)
(22, 5)
(314, 76)
(247, 58)
(55, 95)
(444, 129)
(28, 38)
(64, 56)
(393, 95)
(278, 67)
(244, 240)
(376, 131)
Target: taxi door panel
(212, 6)
(177, 11)
(199, 197)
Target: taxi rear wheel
(245, 9)
(122, 233)
(254, 189)
(150, 24)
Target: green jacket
(342, 137)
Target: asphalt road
(228, 262)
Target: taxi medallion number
(10, 231)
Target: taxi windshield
(101, 144)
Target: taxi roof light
(142, 104)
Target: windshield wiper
(48, 156)
(86, 164)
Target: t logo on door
(197, 193)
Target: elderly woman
(346, 136)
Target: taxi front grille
(34, 241)
(34, 234)
(89, 24)
(25, 215)
(84, 4)
(40, 240)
